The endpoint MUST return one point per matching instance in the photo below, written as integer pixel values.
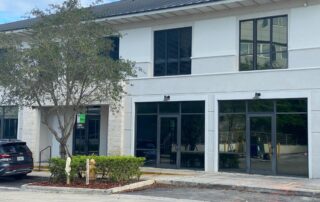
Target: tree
(63, 67)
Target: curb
(303, 193)
(130, 187)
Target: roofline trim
(164, 10)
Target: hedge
(114, 168)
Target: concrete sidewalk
(243, 182)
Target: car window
(13, 149)
(9, 149)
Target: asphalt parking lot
(11, 182)
(215, 195)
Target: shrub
(122, 169)
(115, 168)
(57, 170)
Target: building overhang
(210, 7)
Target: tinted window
(172, 52)
(192, 107)
(261, 106)
(146, 144)
(147, 108)
(232, 106)
(192, 141)
(14, 148)
(232, 142)
(294, 105)
(113, 42)
(263, 43)
(8, 122)
(169, 107)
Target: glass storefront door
(87, 136)
(261, 144)
(171, 134)
(264, 136)
(168, 141)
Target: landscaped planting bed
(112, 172)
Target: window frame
(4, 118)
(179, 59)
(256, 42)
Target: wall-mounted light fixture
(257, 95)
(166, 98)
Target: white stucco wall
(29, 121)
(215, 76)
(215, 73)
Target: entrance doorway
(261, 144)
(264, 136)
(87, 137)
(171, 134)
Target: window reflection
(291, 137)
(263, 43)
(146, 145)
(232, 142)
(292, 144)
(192, 141)
(188, 120)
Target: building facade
(222, 86)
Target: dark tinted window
(292, 144)
(261, 106)
(146, 143)
(114, 43)
(263, 43)
(169, 107)
(192, 107)
(294, 105)
(192, 141)
(8, 122)
(172, 51)
(147, 108)
(232, 106)
(232, 142)
(13, 148)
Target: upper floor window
(172, 52)
(114, 50)
(264, 43)
(114, 53)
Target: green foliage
(114, 168)
(60, 63)
(57, 169)
(124, 168)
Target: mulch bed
(81, 184)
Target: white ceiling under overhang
(187, 10)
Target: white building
(226, 85)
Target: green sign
(81, 118)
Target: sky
(14, 10)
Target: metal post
(87, 172)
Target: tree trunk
(63, 151)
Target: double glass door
(261, 134)
(87, 138)
(169, 142)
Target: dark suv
(15, 158)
